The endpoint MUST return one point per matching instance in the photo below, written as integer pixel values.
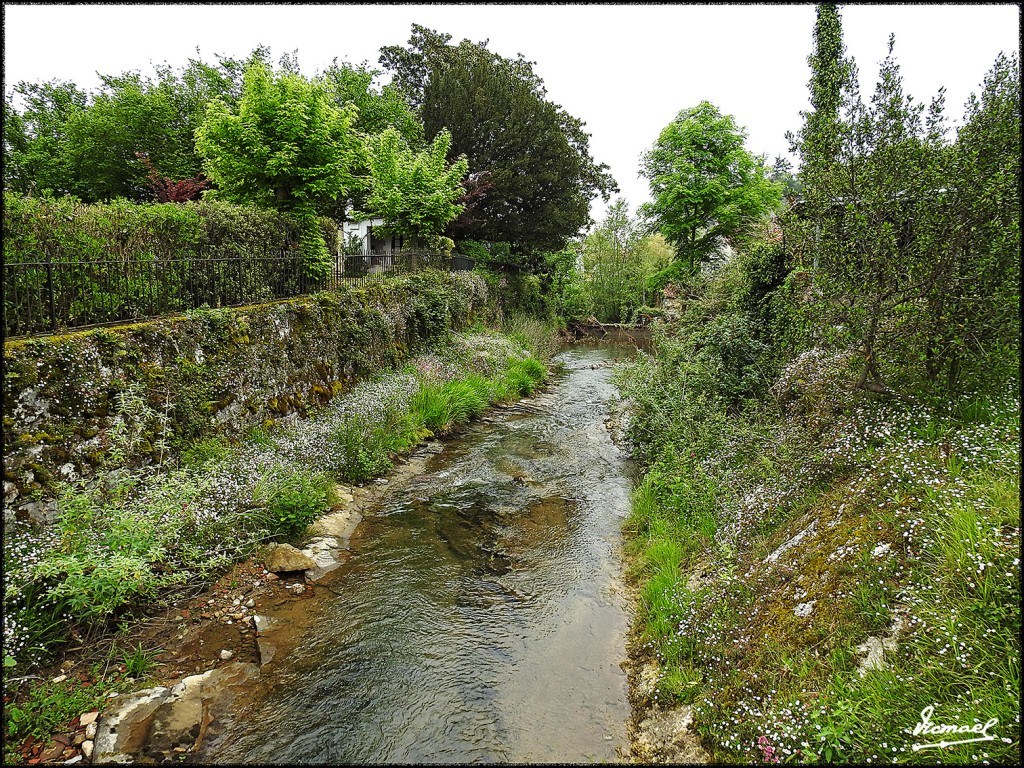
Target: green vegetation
(826, 537)
(621, 263)
(705, 185)
(533, 176)
(288, 146)
(415, 193)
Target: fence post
(49, 291)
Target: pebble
(73, 760)
(89, 718)
(87, 749)
(250, 603)
(90, 731)
(226, 655)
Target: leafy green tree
(378, 108)
(35, 136)
(569, 289)
(416, 193)
(64, 141)
(535, 156)
(287, 146)
(619, 258)
(820, 139)
(911, 242)
(973, 294)
(129, 115)
(704, 184)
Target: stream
(480, 616)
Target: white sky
(626, 70)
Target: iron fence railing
(49, 296)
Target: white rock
(89, 718)
(880, 550)
(73, 760)
(90, 730)
(250, 603)
(226, 655)
(87, 749)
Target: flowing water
(480, 616)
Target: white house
(371, 244)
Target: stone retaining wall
(82, 402)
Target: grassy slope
(768, 561)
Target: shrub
(298, 500)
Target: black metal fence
(48, 296)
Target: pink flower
(767, 749)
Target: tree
(536, 156)
(618, 258)
(416, 193)
(65, 141)
(377, 108)
(288, 146)
(705, 185)
(35, 137)
(820, 138)
(913, 242)
(130, 114)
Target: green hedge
(70, 230)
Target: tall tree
(35, 136)
(907, 237)
(416, 193)
(704, 183)
(65, 141)
(287, 146)
(536, 156)
(378, 108)
(819, 141)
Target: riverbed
(480, 615)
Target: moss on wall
(78, 402)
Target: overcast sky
(626, 70)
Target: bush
(298, 501)
(123, 249)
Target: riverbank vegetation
(827, 534)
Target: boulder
(284, 558)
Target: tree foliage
(705, 185)
(287, 146)
(58, 139)
(36, 134)
(912, 242)
(536, 156)
(416, 193)
(619, 257)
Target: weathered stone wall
(211, 371)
